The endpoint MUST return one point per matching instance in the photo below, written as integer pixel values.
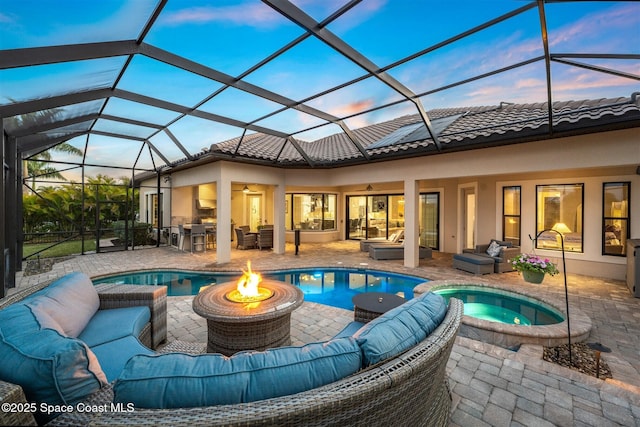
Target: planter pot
(533, 276)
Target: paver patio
(490, 385)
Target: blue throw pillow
(49, 367)
(178, 380)
(401, 328)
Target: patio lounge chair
(395, 238)
(390, 251)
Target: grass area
(63, 249)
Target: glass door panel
(429, 213)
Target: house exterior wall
(590, 159)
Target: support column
(411, 224)
(223, 233)
(279, 219)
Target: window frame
(518, 216)
(626, 218)
(290, 199)
(539, 187)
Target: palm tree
(38, 166)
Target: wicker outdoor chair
(265, 238)
(246, 240)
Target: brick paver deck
(491, 386)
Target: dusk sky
(232, 36)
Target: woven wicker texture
(234, 327)
(154, 297)
(111, 296)
(17, 414)
(408, 390)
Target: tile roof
(465, 128)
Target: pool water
(333, 287)
(497, 305)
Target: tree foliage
(60, 208)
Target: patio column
(223, 233)
(279, 219)
(411, 227)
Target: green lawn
(63, 249)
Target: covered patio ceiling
(153, 85)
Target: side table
(367, 306)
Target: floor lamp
(566, 290)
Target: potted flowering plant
(533, 267)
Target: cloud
(595, 28)
(352, 107)
(6, 19)
(257, 14)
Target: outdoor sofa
(497, 251)
(399, 363)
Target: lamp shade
(245, 189)
(561, 228)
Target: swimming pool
(329, 286)
(497, 305)
(528, 305)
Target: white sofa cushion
(70, 302)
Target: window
(615, 217)
(379, 216)
(511, 215)
(310, 211)
(559, 208)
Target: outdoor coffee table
(369, 305)
(233, 326)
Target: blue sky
(232, 36)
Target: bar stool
(210, 231)
(198, 231)
(182, 233)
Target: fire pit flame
(247, 289)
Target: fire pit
(237, 321)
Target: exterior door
(357, 217)
(254, 204)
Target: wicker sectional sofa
(407, 388)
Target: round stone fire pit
(236, 326)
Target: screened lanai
(123, 88)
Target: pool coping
(511, 336)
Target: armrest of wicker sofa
(19, 416)
(154, 297)
(508, 253)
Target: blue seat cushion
(115, 323)
(114, 355)
(178, 380)
(350, 329)
(50, 367)
(400, 328)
